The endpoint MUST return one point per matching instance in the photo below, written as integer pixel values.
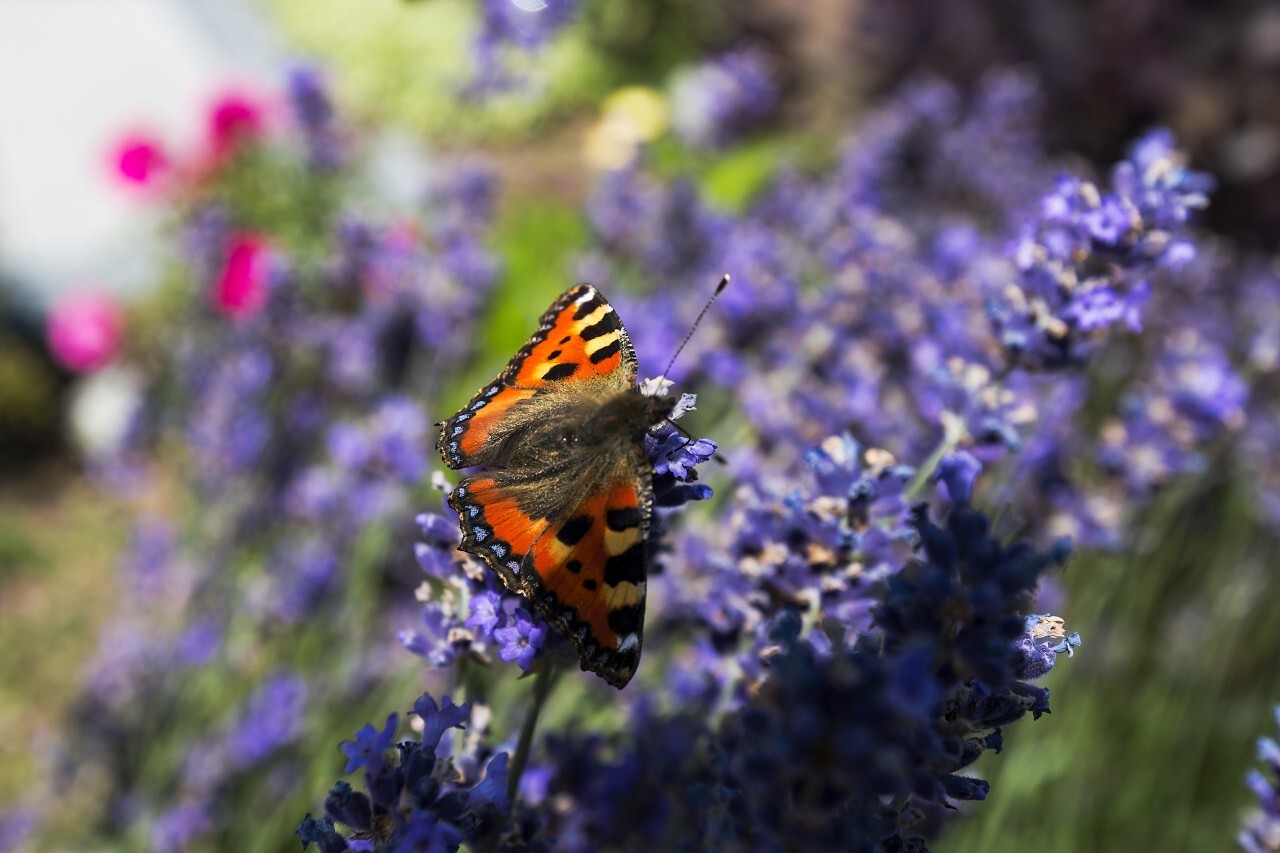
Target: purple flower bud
(369, 747)
(437, 719)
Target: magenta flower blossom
(83, 331)
(234, 118)
(139, 159)
(241, 288)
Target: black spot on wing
(586, 308)
(627, 567)
(572, 531)
(604, 352)
(627, 620)
(574, 566)
(590, 585)
(565, 340)
(561, 371)
(595, 330)
(623, 518)
(552, 356)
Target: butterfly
(562, 511)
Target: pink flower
(241, 289)
(233, 119)
(83, 331)
(140, 159)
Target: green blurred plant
(1160, 718)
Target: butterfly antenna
(716, 456)
(724, 282)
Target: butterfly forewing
(579, 339)
(563, 513)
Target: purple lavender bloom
(349, 446)
(842, 730)
(1102, 307)
(199, 643)
(426, 832)
(322, 834)
(369, 747)
(314, 113)
(419, 803)
(439, 531)
(435, 561)
(273, 718)
(493, 787)
(462, 197)
(151, 550)
(956, 473)
(930, 158)
(717, 101)
(486, 611)
(513, 24)
(525, 23)
(227, 428)
(16, 826)
(678, 456)
(1156, 179)
(444, 637)
(674, 458)
(437, 719)
(521, 639)
(666, 228)
(1262, 829)
(398, 432)
(1042, 641)
(303, 575)
(764, 287)
(1087, 262)
(835, 465)
(180, 827)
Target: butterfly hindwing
(579, 339)
(586, 574)
(495, 525)
(581, 563)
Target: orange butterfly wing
(579, 338)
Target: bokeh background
(112, 114)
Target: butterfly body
(562, 511)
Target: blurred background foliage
(1153, 723)
(409, 62)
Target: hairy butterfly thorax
(562, 511)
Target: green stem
(925, 471)
(543, 682)
(953, 431)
